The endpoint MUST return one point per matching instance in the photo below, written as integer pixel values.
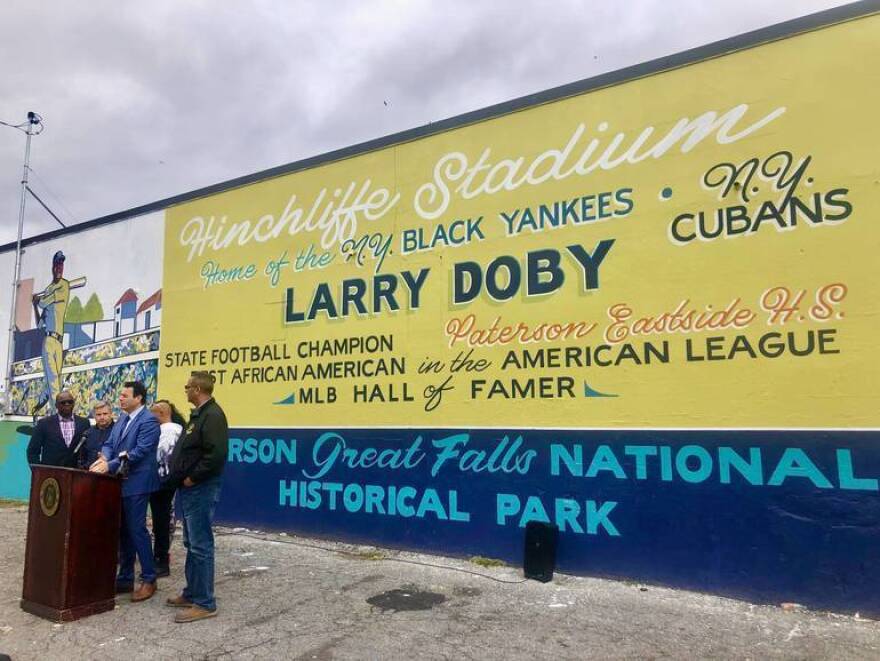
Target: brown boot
(193, 614)
(178, 602)
(144, 592)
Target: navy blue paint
(794, 542)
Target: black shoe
(162, 571)
(122, 588)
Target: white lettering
(334, 216)
(453, 171)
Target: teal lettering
(373, 496)
(599, 517)
(795, 463)
(641, 454)
(666, 463)
(325, 462)
(287, 493)
(751, 469)
(448, 447)
(234, 452)
(353, 497)
(533, 511)
(688, 474)
(313, 491)
(456, 514)
(567, 512)
(506, 505)
(404, 500)
(431, 503)
(604, 460)
(574, 463)
(333, 488)
(847, 479)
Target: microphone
(79, 462)
(81, 441)
(123, 465)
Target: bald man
(56, 437)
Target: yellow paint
(818, 93)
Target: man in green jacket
(196, 468)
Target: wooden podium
(72, 543)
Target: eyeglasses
(188, 386)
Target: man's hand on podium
(100, 465)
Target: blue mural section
(768, 516)
(15, 474)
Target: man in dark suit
(133, 443)
(56, 437)
(97, 435)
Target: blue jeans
(197, 504)
(135, 540)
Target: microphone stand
(79, 447)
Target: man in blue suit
(132, 447)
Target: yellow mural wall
(692, 249)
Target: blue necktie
(123, 420)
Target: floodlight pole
(33, 120)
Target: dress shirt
(68, 426)
(131, 416)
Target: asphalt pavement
(287, 597)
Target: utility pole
(33, 120)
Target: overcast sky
(145, 100)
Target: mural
(50, 308)
(594, 262)
(147, 342)
(90, 385)
(759, 515)
(644, 314)
(89, 348)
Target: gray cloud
(146, 100)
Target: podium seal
(50, 496)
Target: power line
(54, 195)
(14, 126)
(33, 120)
(43, 204)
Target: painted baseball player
(50, 306)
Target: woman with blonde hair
(171, 424)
